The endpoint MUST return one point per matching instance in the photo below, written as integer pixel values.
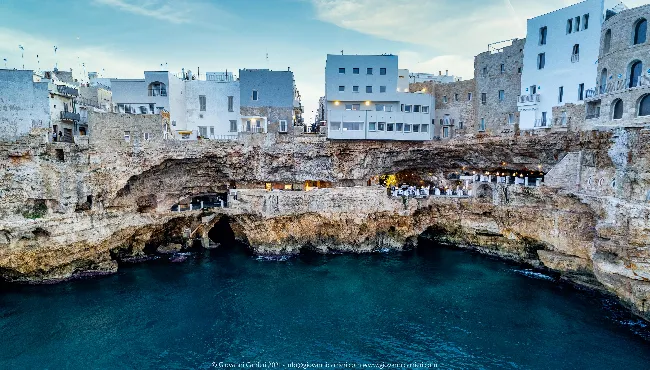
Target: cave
(222, 233)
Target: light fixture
(337, 102)
(368, 102)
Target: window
(481, 125)
(416, 108)
(585, 21)
(341, 88)
(543, 118)
(455, 97)
(157, 89)
(576, 27)
(212, 131)
(390, 127)
(460, 125)
(560, 94)
(127, 136)
(483, 98)
(445, 132)
(469, 96)
(607, 41)
(541, 60)
(369, 89)
(644, 106)
(518, 69)
(581, 91)
(368, 71)
(407, 127)
(569, 26)
(255, 97)
(143, 109)
(379, 107)
(381, 125)
(603, 81)
(335, 126)
(202, 103)
(382, 71)
(342, 71)
(283, 126)
(533, 89)
(617, 109)
(355, 89)
(382, 89)
(511, 118)
(407, 108)
(425, 127)
(203, 131)
(503, 68)
(146, 136)
(233, 125)
(372, 126)
(352, 106)
(635, 73)
(425, 109)
(444, 99)
(575, 54)
(399, 126)
(542, 35)
(230, 104)
(416, 128)
(502, 95)
(401, 107)
(484, 71)
(355, 71)
(640, 31)
(352, 126)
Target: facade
(363, 101)
(455, 108)
(560, 58)
(622, 88)
(29, 100)
(497, 73)
(268, 100)
(212, 106)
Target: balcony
(528, 100)
(70, 116)
(67, 91)
(542, 122)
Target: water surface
(435, 305)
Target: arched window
(576, 49)
(617, 109)
(640, 31)
(644, 106)
(603, 81)
(608, 41)
(635, 72)
(157, 89)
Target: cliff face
(69, 211)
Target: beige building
(622, 92)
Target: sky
(123, 38)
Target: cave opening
(223, 236)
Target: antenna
(22, 54)
(5, 59)
(56, 62)
(341, 52)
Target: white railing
(618, 85)
(253, 129)
(529, 98)
(541, 122)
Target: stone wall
(273, 115)
(110, 129)
(24, 104)
(570, 117)
(490, 79)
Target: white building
(439, 78)
(560, 57)
(363, 101)
(204, 108)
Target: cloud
(68, 56)
(177, 12)
(459, 27)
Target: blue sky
(125, 37)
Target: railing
(592, 115)
(67, 90)
(224, 137)
(541, 122)
(575, 58)
(253, 129)
(70, 116)
(618, 85)
(529, 98)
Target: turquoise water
(438, 306)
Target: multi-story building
(198, 106)
(455, 107)
(31, 101)
(363, 101)
(269, 101)
(212, 106)
(621, 95)
(497, 73)
(560, 57)
(439, 78)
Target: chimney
(288, 69)
(446, 72)
(439, 73)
